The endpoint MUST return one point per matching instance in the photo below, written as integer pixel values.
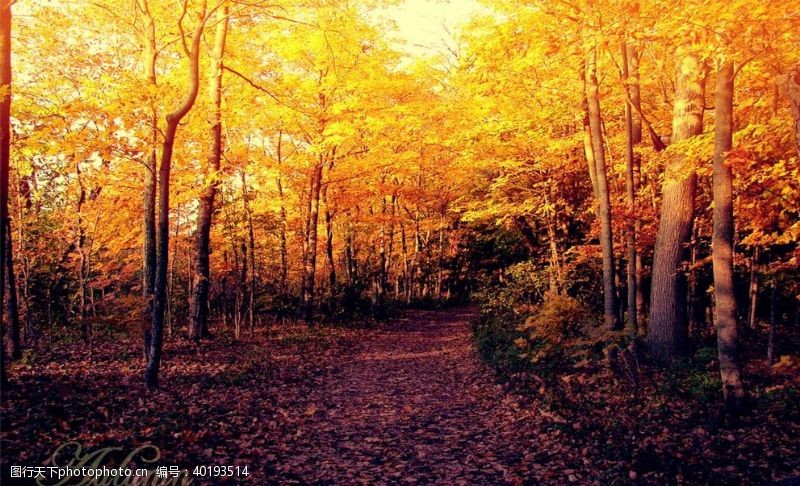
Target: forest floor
(406, 402)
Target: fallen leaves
(405, 403)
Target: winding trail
(413, 404)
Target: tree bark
(198, 327)
(630, 189)
(667, 336)
(722, 244)
(636, 137)
(149, 54)
(603, 196)
(173, 120)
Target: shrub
(557, 333)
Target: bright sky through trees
(429, 27)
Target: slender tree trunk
(667, 335)
(5, 152)
(149, 54)
(198, 327)
(82, 263)
(753, 289)
(173, 120)
(251, 253)
(382, 253)
(283, 217)
(348, 253)
(692, 297)
(773, 319)
(13, 303)
(310, 265)
(603, 196)
(587, 132)
(329, 241)
(630, 187)
(722, 244)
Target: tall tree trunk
(722, 244)
(630, 189)
(149, 54)
(5, 152)
(283, 217)
(198, 327)
(603, 196)
(636, 138)
(80, 245)
(310, 265)
(667, 335)
(251, 253)
(173, 120)
(382, 261)
(329, 247)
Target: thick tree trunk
(630, 189)
(5, 152)
(162, 235)
(603, 196)
(198, 326)
(722, 244)
(667, 335)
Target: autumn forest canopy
(597, 199)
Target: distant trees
(5, 144)
(326, 153)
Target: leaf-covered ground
(407, 402)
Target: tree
(725, 308)
(198, 327)
(149, 58)
(667, 336)
(173, 120)
(603, 196)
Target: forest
(355, 242)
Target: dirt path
(407, 402)
(413, 404)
